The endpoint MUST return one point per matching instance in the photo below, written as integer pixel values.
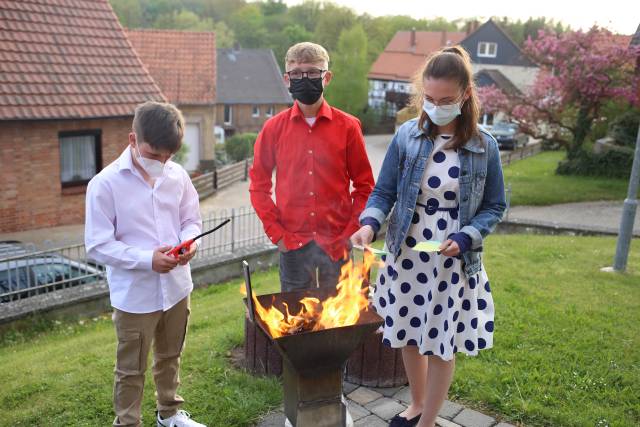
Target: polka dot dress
(425, 298)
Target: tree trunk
(583, 127)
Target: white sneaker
(180, 419)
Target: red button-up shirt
(316, 167)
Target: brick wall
(242, 119)
(32, 195)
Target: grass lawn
(566, 349)
(534, 182)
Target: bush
(624, 128)
(376, 122)
(610, 164)
(240, 147)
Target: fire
(342, 309)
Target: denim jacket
(481, 195)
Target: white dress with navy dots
(425, 298)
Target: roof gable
(183, 63)
(407, 51)
(508, 52)
(66, 60)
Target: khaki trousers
(135, 333)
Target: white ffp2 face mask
(153, 168)
(441, 115)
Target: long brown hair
(451, 63)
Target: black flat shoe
(399, 421)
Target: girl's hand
(449, 248)
(363, 237)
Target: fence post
(246, 169)
(215, 179)
(233, 229)
(508, 202)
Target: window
(270, 111)
(80, 156)
(228, 114)
(256, 111)
(487, 49)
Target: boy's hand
(184, 258)
(161, 262)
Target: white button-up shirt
(126, 219)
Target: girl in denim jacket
(443, 179)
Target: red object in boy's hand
(183, 247)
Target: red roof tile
(63, 59)
(182, 62)
(401, 60)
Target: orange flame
(340, 310)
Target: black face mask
(306, 90)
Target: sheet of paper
(374, 251)
(428, 246)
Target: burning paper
(340, 310)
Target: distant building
(183, 63)
(250, 89)
(496, 59)
(491, 48)
(391, 75)
(70, 84)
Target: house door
(192, 140)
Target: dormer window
(487, 49)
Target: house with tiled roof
(69, 83)
(495, 58)
(250, 89)
(183, 63)
(391, 75)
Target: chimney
(471, 26)
(412, 39)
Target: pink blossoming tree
(580, 72)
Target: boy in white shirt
(137, 208)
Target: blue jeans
(308, 267)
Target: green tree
(306, 14)
(349, 87)
(332, 21)
(290, 35)
(224, 35)
(129, 12)
(248, 26)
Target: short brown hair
(451, 63)
(160, 125)
(306, 52)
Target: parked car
(508, 135)
(41, 272)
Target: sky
(619, 16)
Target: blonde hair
(451, 63)
(307, 53)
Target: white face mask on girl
(441, 115)
(153, 168)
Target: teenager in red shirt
(323, 175)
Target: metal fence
(25, 271)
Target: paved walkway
(603, 215)
(374, 407)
